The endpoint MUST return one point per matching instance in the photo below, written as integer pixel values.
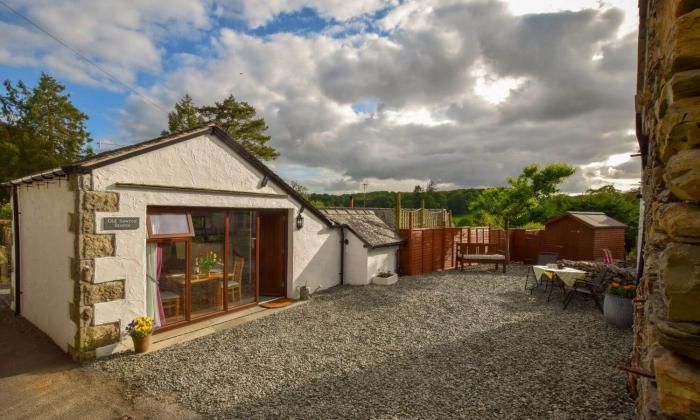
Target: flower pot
(618, 311)
(142, 344)
(385, 281)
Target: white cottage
(182, 227)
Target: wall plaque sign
(120, 223)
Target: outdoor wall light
(300, 219)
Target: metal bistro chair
(543, 258)
(594, 288)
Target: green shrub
(5, 211)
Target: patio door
(273, 253)
(241, 258)
(204, 262)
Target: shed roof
(364, 223)
(594, 219)
(106, 158)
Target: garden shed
(581, 235)
(183, 228)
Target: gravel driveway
(456, 344)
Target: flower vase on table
(206, 263)
(140, 330)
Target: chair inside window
(235, 281)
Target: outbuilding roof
(364, 223)
(106, 158)
(595, 219)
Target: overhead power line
(86, 59)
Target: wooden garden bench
(480, 253)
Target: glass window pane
(166, 282)
(241, 259)
(207, 277)
(169, 224)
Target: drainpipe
(15, 243)
(342, 254)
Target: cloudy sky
(387, 92)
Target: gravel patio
(468, 344)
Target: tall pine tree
(239, 119)
(40, 128)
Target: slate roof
(364, 223)
(595, 219)
(105, 158)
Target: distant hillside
(455, 200)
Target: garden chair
(593, 288)
(543, 258)
(607, 256)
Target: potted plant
(140, 330)
(385, 278)
(617, 307)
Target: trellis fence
(423, 218)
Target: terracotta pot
(142, 344)
(618, 311)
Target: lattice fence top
(424, 218)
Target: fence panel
(428, 250)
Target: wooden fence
(525, 245)
(434, 249)
(423, 218)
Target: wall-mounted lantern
(300, 219)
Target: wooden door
(273, 253)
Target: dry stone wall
(667, 308)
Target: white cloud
(466, 93)
(121, 36)
(435, 79)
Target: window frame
(188, 234)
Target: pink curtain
(159, 268)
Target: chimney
(352, 202)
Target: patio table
(567, 275)
(562, 277)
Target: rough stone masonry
(667, 307)
(88, 246)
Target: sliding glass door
(207, 267)
(200, 262)
(241, 258)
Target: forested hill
(455, 200)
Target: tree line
(527, 201)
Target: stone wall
(88, 246)
(666, 353)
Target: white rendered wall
(201, 162)
(355, 260)
(381, 259)
(46, 249)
